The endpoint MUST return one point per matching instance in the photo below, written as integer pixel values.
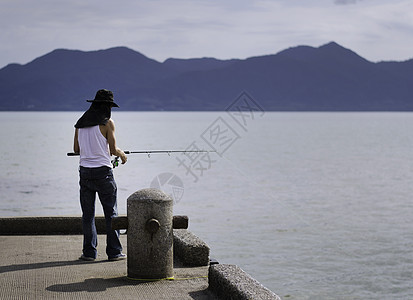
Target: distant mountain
(303, 78)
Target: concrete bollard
(150, 235)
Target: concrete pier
(47, 267)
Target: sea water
(312, 205)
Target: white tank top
(94, 148)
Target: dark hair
(103, 110)
(98, 113)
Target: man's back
(94, 147)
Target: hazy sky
(375, 29)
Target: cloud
(377, 30)
(344, 2)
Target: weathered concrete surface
(190, 249)
(150, 235)
(178, 222)
(231, 282)
(66, 225)
(47, 267)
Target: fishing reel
(115, 162)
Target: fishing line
(115, 161)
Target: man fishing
(95, 142)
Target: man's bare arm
(76, 148)
(114, 150)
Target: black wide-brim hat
(104, 96)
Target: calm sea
(312, 205)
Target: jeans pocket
(106, 185)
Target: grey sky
(376, 29)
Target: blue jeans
(98, 180)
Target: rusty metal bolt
(152, 225)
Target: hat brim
(113, 103)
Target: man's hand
(123, 157)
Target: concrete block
(190, 249)
(178, 222)
(150, 235)
(230, 282)
(67, 225)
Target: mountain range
(302, 78)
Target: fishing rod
(115, 162)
